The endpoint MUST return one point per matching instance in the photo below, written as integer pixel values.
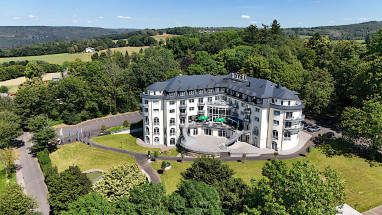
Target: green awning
(203, 117)
(220, 120)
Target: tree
(14, 201)
(33, 69)
(149, 198)
(301, 189)
(103, 128)
(198, 198)
(126, 123)
(37, 123)
(43, 137)
(121, 43)
(275, 28)
(119, 180)
(375, 45)
(156, 154)
(163, 166)
(9, 127)
(66, 188)
(244, 157)
(3, 89)
(8, 156)
(93, 203)
(364, 124)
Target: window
(274, 145)
(201, 100)
(241, 104)
(172, 141)
(195, 131)
(171, 94)
(172, 102)
(155, 102)
(191, 92)
(257, 110)
(156, 131)
(147, 120)
(276, 113)
(256, 141)
(207, 131)
(147, 130)
(172, 121)
(172, 131)
(146, 101)
(287, 135)
(156, 121)
(147, 139)
(275, 135)
(182, 93)
(209, 91)
(156, 140)
(289, 115)
(282, 103)
(172, 110)
(256, 131)
(200, 91)
(200, 107)
(276, 122)
(288, 124)
(182, 102)
(191, 100)
(222, 133)
(257, 119)
(288, 103)
(191, 108)
(182, 121)
(156, 110)
(209, 99)
(146, 110)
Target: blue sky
(197, 13)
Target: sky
(196, 13)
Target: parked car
(54, 143)
(306, 126)
(314, 129)
(330, 134)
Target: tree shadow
(344, 147)
(160, 171)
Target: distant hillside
(15, 36)
(340, 32)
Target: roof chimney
(279, 85)
(249, 84)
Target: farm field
(87, 157)
(363, 183)
(61, 58)
(14, 83)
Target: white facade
(267, 122)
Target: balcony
(247, 111)
(294, 128)
(142, 113)
(287, 138)
(182, 115)
(235, 105)
(143, 105)
(201, 111)
(182, 106)
(201, 103)
(275, 137)
(297, 119)
(247, 120)
(156, 133)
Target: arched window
(286, 135)
(274, 145)
(147, 131)
(172, 131)
(156, 140)
(147, 121)
(172, 141)
(156, 121)
(172, 121)
(256, 141)
(256, 131)
(275, 135)
(156, 131)
(147, 140)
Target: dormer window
(191, 92)
(182, 93)
(209, 90)
(171, 94)
(200, 91)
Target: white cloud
(32, 16)
(17, 17)
(252, 22)
(347, 19)
(75, 21)
(123, 17)
(100, 17)
(245, 17)
(363, 19)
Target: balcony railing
(201, 102)
(287, 138)
(182, 114)
(143, 105)
(172, 124)
(297, 119)
(182, 105)
(200, 111)
(156, 133)
(247, 111)
(172, 134)
(234, 105)
(143, 113)
(294, 128)
(275, 137)
(247, 120)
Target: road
(29, 175)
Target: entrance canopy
(220, 120)
(203, 117)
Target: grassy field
(61, 58)
(164, 36)
(363, 183)
(3, 182)
(128, 143)
(14, 83)
(87, 157)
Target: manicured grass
(171, 178)
(61, 58)
(3, 182)
(87, 157)
(14, 83)
(128, 143)
(363, 183)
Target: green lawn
(3, 182)
(87, 157)
(363, 183)
(128, 143)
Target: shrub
(126, 123)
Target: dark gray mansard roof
(256, 87)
